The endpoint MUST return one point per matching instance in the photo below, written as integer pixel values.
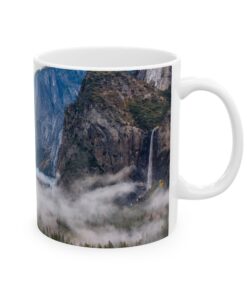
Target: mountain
(55, 89)
(159, 78)
(108, 127)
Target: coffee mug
(107, 145)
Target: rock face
(160, 78)
(54, 90)
(162, 152)
(108, 127)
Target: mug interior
(106, 58)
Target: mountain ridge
(108, 128)
(54, 90)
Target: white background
(207, 253)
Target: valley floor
(111, 215)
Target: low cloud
(93, 216)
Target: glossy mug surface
(106, 163)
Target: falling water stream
(150, 161)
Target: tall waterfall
(150, 161)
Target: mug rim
(65, 58)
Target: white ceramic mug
(107, 144)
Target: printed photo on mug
(107, 142)
(103, 155)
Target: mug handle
(189, 191)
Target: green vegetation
(150, 192)
(60, 237)
(148, 113)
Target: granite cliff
(54, 90)
(108, 127)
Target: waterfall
(150, 161)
